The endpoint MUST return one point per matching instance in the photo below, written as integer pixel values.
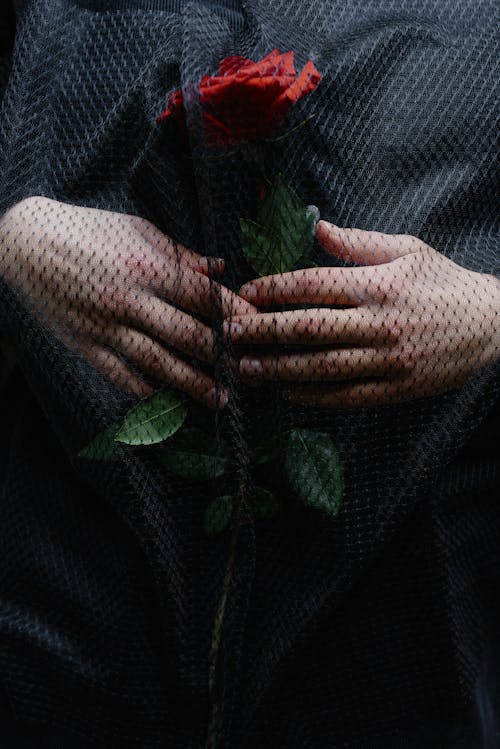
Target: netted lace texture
(249, 476)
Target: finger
(109, 364)
(193, 291)
(338, 364)
(348, 394)
(364, 247)
(309, 327)
(175, 250)
(152, 358)
(149, 269)
(178, 329)
(185, 288)
(181, 286)
(209, 266)
(340, 286)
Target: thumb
(363, 247)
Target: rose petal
(304, 84)
(231, 65)
(247, 100)
(174, 102)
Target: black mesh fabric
(360, 612)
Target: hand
(100, 279)
(417, 323)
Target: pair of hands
(120, 292)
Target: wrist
(489, 300)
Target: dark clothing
(377, 629)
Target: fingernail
(250, 366)
(327, 224)
(233, 329)
(248, 290)
(217, 397)
(213, 262)
(313, 210)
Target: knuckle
(115, 301)
(141, 265)
(406, 238)
(328, 366)
(401, 359)
(381, 290)
(390, 329)
(304, 280)
(136, 222)
(313, 325)
(411, 242)
(30, 202)
(153, 359)
(391, 287)
(197, 335)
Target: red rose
(247, 100)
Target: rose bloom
(247, 100)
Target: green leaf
(103, 446)
(314, 469)
(153, 419)
(257, 248)
(282, 234)
(194, 454)
(263, 503)
(217, 515)
(288, 222)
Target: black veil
(353, 606)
